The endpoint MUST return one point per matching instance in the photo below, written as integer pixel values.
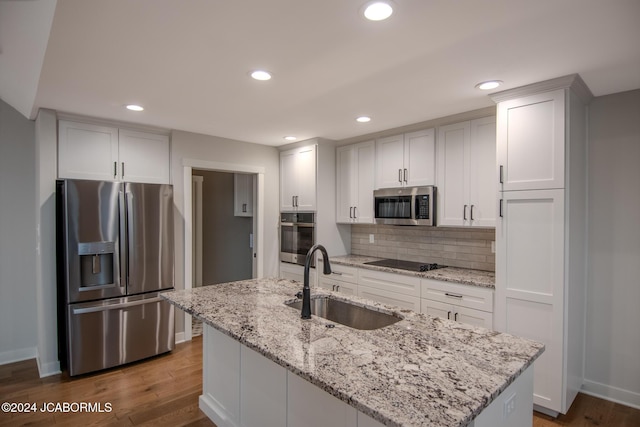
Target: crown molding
(573, 82)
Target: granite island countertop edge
(195, 301)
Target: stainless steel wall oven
(297, 236)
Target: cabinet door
(436, 309)
(482, 179)
(473, 317)
(389, 161)
(306, 178)
(345, 184)
(365, 157)
(453, 174)
(330, 283)
(419, 158)
(263, 391)
(288, 182)
(310, 406)
(529, 295)
(530, 140)
(87, 151)
(242, 194)
(390, 298)
(144, 157)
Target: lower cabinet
(337, 285)
(296, 272)
(389, 297)
(343, 278)
(463, 303)
(457, 313)
(243, 388)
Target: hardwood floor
(163, 391)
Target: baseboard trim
(613, 394)
(48, 369)
(18, 355)
(180, 337)
(215, 411)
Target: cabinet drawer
(461, 295)
(457, 313)
(332, 284)
(390, 298)
(343, 273)
(396, 283)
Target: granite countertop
(485, 279)
(421, 371)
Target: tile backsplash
(455, 247)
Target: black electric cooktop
(406, 265)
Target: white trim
(611, 393)
(189, 165)
(48, 369)
(221, 167)
(180, 336)
(18, 355)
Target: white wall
(190, 146)
(18, 326)
(613, 297)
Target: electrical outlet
(371, 239)
(509, 406)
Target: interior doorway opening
(191, 220)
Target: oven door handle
(304, 224)
(286, 224)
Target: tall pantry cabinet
(541, 230)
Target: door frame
(258, 219)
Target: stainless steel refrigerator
(114, 256)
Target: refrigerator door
(149, 256)
(88, 239)
(108, 333)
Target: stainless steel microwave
(405, 205)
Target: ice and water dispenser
(96, 263)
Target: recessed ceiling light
(378, 11)
(488, 85)
(290, 138)
(134, 107)
(363, 119)
(261, 75)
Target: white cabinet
(531, 141)
(406, 160)
(88, 151)
(541, 229)
(296, 272)
(388, 288)
(343, 278)
(310, 406)
(298, 179)
(466, 173)
(144, 157)
(467, 304)
(355, 166)
(242, 194)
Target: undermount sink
(347, 314)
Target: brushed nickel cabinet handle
(464, 213)
(400, 175)
(405, 175)
(471, 212)
(501, 174)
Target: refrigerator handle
(119, 306)
(124, 244)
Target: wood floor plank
(164, 390)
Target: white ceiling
(187, 61)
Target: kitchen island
(263, 365)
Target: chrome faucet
(306, 291)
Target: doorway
(257, 174)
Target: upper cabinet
(466, 167)
(88, 151)
(298, 179)
(406, 160)
(354, 186)
(531, 142)
(242, 194)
